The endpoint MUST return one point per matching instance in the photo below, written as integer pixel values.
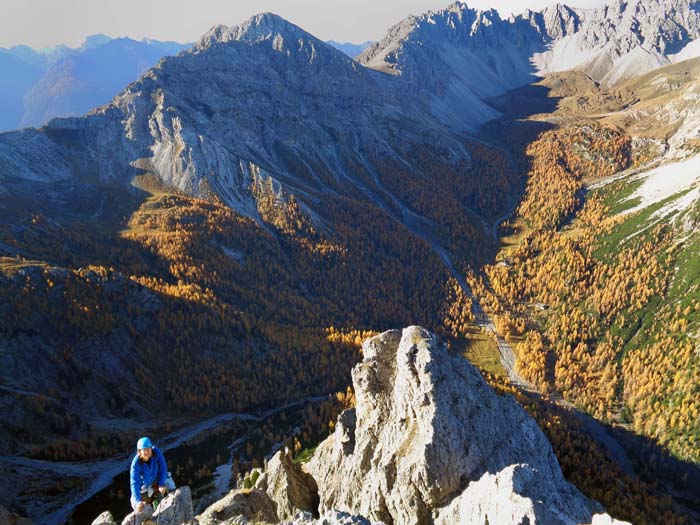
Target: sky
(46, 23)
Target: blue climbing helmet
(144, 442)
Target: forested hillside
(597, 283)
(182, 305)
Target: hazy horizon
(47, 23)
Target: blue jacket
(145, 473)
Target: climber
(150, 478)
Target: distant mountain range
(200, 123)
(63, 81)
(458, 57)
(352, 50)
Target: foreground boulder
(430, 442)
(289, 487)
(105, 518)
(282, 491)
(252, 505)
(174, 509)
(509, 496)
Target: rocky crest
(625, 39)
(456, 57)
(429, 442)
(443, 52)
(261, 103)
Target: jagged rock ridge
(625, 38)
(429, 442)
(460, 53)
(260, 101)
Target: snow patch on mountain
(637, 62)
(691, 50)
(666, 181)
(623, 39)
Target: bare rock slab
(430, 442)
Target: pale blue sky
(42, 23)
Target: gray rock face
(138, 519)
(625, 39)
(329, 518)
(250, 504)
(513, 495)
(290, 489)
(174, 509)
(456, 57)
(556, 21)
(263, 104)
(429, 441)
(459, 53)
(105, 518)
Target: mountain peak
(258, 28)
(93, 41)
(265, 25)
(426, 444)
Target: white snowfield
(668, 180)
(691, 50)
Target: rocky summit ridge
(265, 101)
(624, 39)
(460, 53)
(429, 442)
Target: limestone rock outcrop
(290, 489)
(430, 442)
(105, 518)
(251, 504)
(174, 509)
(329, 518)
(509, 496)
